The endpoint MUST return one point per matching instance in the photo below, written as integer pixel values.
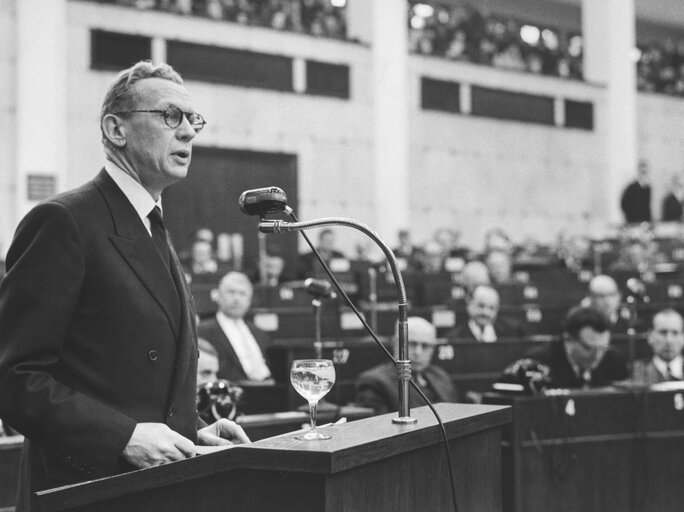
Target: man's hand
(153, 444)
(222, 432)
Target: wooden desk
(10, 454)
(369, 465)
(601, 451)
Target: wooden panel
(513, 106)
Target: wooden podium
(369, 465)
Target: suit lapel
(231, 355)
(187, 342)
(138, 250)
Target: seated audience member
(500, 267)
(605, 297)
(496, 239)
(207, 363)
(482, 324)
(666, 339)
(433, 258)
(474, 273)
(408, 252)
(377, 387)
(574, 253)
(584, 357)
(634, 258)
(309, 266)
(239, 343)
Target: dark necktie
(159, 234)
(670, 375)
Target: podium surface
(368, 465)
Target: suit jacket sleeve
(38, 298)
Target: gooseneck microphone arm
(403, 363)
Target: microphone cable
(415, 386)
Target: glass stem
(312, 413)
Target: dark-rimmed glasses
(173, 117)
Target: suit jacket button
(152, 355)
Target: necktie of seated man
(159, 234)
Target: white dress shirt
(675, 367)
(485, 334)
(245, 346)
(135, 193)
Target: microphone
(637, 290)
(262, 201)
(319, 288)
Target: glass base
(313, 435)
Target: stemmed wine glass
(312, 378)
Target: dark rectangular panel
(327, 79)
(230, 66)
(115, 51)
(579, 114)
(440, 95)
(514, 106)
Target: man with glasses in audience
(98, 346)
(666, 340)
(584, 357)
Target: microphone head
(636, 287)
(262, 201)
(319, 288)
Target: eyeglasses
(173, 117)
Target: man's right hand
(153, 444)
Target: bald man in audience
(482, 322)
(666, 340)
(377, 388)
(605, 296)
(240, 344)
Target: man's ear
(113, 130)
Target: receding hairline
(235, 276)
(665, 313)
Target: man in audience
(605, 297)
(474, 273)
(207, 363)
(636, 198)
(584, 357)
(377, 388)
(500, 267)
(239, 343)
(98, 355)
(309, 266)
(482, 324)
(667, 341)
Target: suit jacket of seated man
(230, 367)
(646, 373)
(377, 388)
(611, 368)
(502, 328)
(96, 335)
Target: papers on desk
(203, 450)
(671, 385)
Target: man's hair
(206, 347)
(120, 97)
(471, 292)
(665, 312)
(234, 274)
(580, 317)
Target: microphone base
(404, 420)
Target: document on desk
(203, 450)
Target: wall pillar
(609, 36)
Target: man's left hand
(222, 432)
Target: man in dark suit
(98, 351)
(667, 341)
(241, 344)
(482, 323)
(377, 388)
(636, 198)
(584, 357)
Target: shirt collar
(675, 366)
(135, 193)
